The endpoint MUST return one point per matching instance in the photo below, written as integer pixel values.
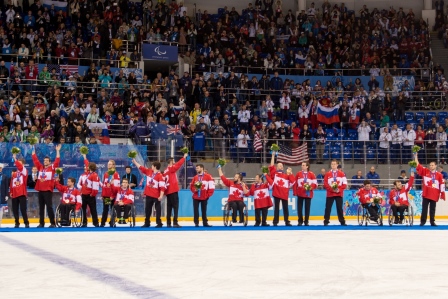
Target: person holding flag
(71, 199)
(154, 191)
(433, 189)
(335, 182)
(172, 189)
(124, 199)
(398, 198)
(280, 190)
(111, 178)
(18, 193)
(262, 201)
(237, 190)
(45, 185)
(202, 186)
(306, 183)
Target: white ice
(217, 264)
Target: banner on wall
(160, 52)
(218, 200)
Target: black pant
(300, 201)
(122, 209)
(45, 199)
(237, 205)
(277, 210)
(329, 205)
(106, 211)
(89, 201)
(399, 209)
(22, 202)
(264, 215)
(373, 210)
(432, 210)
(65, 209)
(172, 205)
(151, 201)
(203, 204)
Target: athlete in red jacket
(124, 199)
(262, 201)
(280, 190)
(108, 182)
(45, 186)
(154, 191)
(398, 198)
(201, 194)
(335, 183)
(433, 189)
(70, 199)
(89, 191)
(305, 183)
(18, 193)
(237, 190)
(366, 197)
(172, 190)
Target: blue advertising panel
(159, 52)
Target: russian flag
(327, 115)
(58, 5)
(105, 139)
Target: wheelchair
(228, 214)
(364, 216)
(408, 215)
(131, 219)
(74, 217)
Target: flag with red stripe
(258, 145)
(293, 156)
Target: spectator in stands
(357, 181)
(373, 177)
(385, 139)
(409, 137)
(320, 137)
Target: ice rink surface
(277, 263)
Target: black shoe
(96, 225)
(400, 221)
(434, 224)
(102, 225)
(159, 225)
(146, 225)
(168, 225)
(344, 224)
(241, 221)
(274, 224)
(177, 226)
(300, 224)
(265, 224)
(52, 226)
(306, 224)
(196, 225)
(422, 224)
(41, 226)
(288, 224)
(233, 220)
(396, 221)
(84, 225)
(17, 226)
(207, 225)
(27, 226)
(326, 223)
(257, 224)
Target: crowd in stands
(59, 106)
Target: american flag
(258, 145)
(293, 156)
(71, 69)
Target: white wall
(212, 6)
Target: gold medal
(434, 185)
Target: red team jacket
(236, 192)
(73, 195)
(83, 176)
(340, 178)
(300, 180)
(127, 195)
(207, 189)
(401, 195)
(281, 183)
(90, 184)
(19, 178)
(45, 181)
(365, 195)
(108, 182)
(170, 173)
(432, 184)
(155, 182)
(260, 192)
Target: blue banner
(218, 200)
(159, 52)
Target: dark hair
(46, 157)
(200, 165)
(72, 179)
(92, 166)
(128, 167)
(156, 164)
(125, 179)
(367, 182)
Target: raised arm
(273, 159)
